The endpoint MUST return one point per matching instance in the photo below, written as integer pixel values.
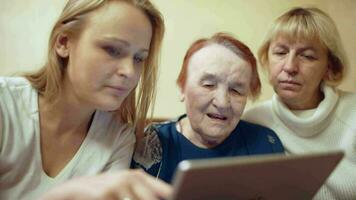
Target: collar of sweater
(312, 125)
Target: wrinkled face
(215, 94)
(106, 61)
(296, 70)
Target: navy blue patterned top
(163, 147)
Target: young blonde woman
(77, 115)
(305, 61)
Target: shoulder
(346, 107)
(17, 93)
(165, 131)
(15, 88)
(14, 84)
(18, 119)
(259, 114)
(253, 128)
(159, 132)
(347, 98)
(149, 150)
(260, 137)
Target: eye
(139, 59)
(235, 91)
(208, 85)
(112, 51)
(279, 52)
(308, 57)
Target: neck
(65, 115)
(194, 137)
(306, 103)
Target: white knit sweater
(331, 126)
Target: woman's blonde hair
(310, 24)
(72, 21)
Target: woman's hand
(123, 185)
(5, 166)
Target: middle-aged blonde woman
(76, 116)
(305, 62)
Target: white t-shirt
(108, 145)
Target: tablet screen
(254, 177)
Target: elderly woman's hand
(123, 185)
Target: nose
(291, 64)
(125, 68)
(221, 98)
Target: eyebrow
(121, 41)
(303, 48)
(308, 48)
(239, 84)
(279, 45)
(212, 76)
(208, 76)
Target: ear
(327, 75)
(182, 96)
(62, 45)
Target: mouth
(217, 116)
(118, 89)
(289, 84)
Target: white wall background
(25, 26)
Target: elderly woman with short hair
(217, 77)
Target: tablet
(276, 176)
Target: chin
(109, 106)
(288, 94)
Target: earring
(181, 98)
